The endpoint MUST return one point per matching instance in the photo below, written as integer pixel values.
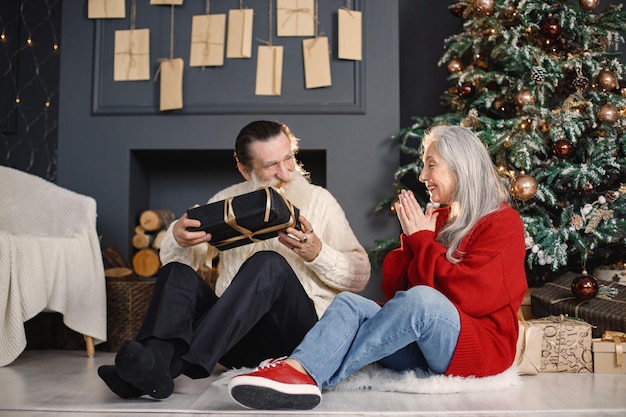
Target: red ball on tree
(467, 90)
(457, 10)
(563, 148)
(551, 27)
(585, 287)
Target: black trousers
(264, 313)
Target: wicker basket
(127, 302)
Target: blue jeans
(417, 329)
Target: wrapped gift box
(565, 345)
(608, 353)
(246, 218)
(603, 312)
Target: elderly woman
(453, 287)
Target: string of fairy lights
(29, 85)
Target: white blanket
(50, 259)
(376, 378)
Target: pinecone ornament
(581, 83)
(611, 196)
(538, 74)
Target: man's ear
(244, 171)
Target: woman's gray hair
(480, 190)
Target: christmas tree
(541, 84)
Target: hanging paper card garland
(269, 70)
(316, 54)
(269, 67)
(171, 73)
(207, 39)
(240, 33)
(168, 2)
(295, 18)
(106, 9)
(350, 34)
(132, 55)
(316, 62)
(131, 61)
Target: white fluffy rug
(377, 378)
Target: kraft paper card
(316, 62)
(350, 34)
(174, 2)
(132, 55)
(269, 70)
(207, 40)
(240, 33)
(295, 17)
(171, 84)
(106, 9)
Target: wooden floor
(65, 383)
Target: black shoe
(144, 369)
(123, 389)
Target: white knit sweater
(342, 264)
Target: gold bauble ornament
(484, 7)
(608, 113)
(524, 187)
(455, 65)
(589, 5)
(607, 80)
(524, 96)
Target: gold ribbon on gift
(231, 219)
(617, 338)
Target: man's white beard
(294, 189)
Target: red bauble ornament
(585, 287)
(551, 27)
(563, 148)
(457, 11)
(467, 90)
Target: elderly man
(268, 293)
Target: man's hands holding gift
(184, 237)
(304, 242)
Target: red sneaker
(274, 385)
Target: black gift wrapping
(246, 218)
(603, 312)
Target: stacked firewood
(149, 234)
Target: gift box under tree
(604, 312)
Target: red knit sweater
(487, 286)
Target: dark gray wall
(97, 152)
